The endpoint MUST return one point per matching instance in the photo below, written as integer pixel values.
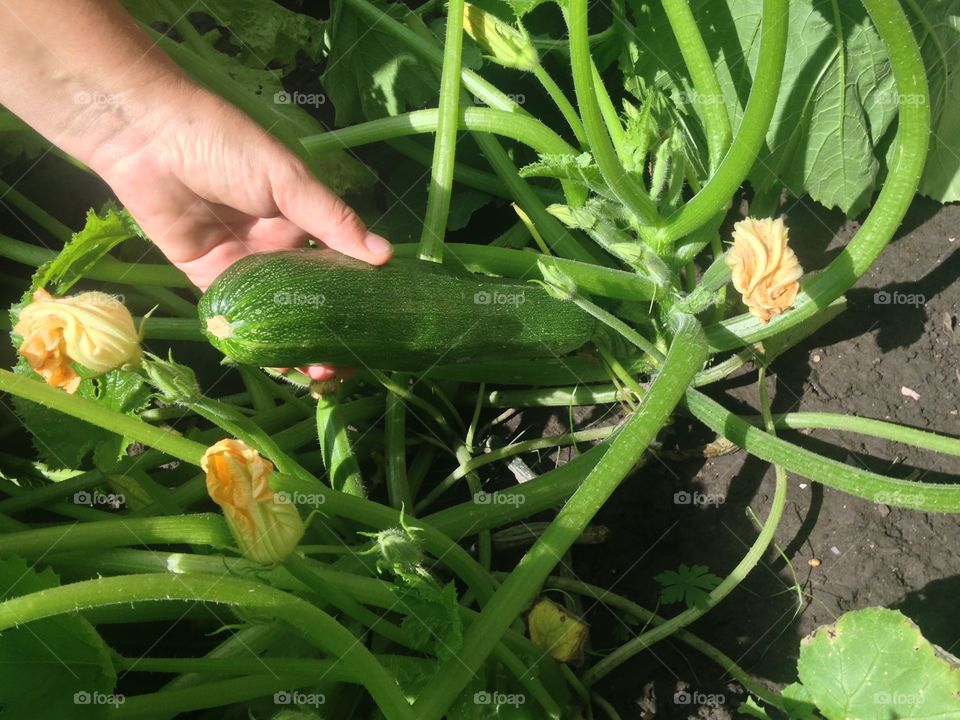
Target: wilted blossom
(765, 270)
(266, 526)
(92, 329)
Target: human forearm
(80, 72)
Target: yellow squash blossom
(92, 329)
(765, 270)
(266, 526)
(508, 45)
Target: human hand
(209, 186)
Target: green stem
(445, 148)
(736, 576)
(626, 186)
(740, 158)
(562, 102)
(685, 357)
(108, 269)
(846, 478)
(906, 167)
(338, 456)
(517, 448)
(97, 414)
(201, 529)
(469, 175)
(475, 119)
(428, 50)
(161, 328)
(525, 265)
(395, 421)
(864, 426)
(36, 213)
(166, 704)
(704, 76)
(319, 628)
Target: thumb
(312, 206)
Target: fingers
(322, 373)
(317, 210)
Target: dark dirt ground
(869, 554)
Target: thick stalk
(108, 268)
(200, 529)
(687, 354)
(318, 627)
(627, 187)
(840, 476)
(97, 414)
(475, 119)
(716, 194)
(710, 99)
(445, 148)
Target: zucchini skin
(300, 307)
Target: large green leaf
(370, 74)
(54, 668)
(938, 32)
(837, 97)
(875, 663)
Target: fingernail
(377, 245)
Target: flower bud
(765, 270)
(266, 527)
(508, 46)
(92, 329)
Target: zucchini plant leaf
(691, 585)
(837, 97)
(406, 199)
(54, 668)
(101, 233)
(432, 622)
(875, 663)
(62, 441)
(369, 73)
(260, 33)
(937, 29)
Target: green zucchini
(300, 307)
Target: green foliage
(432, 621)
(406, 200)
(875, 663)
(370, 74)
(65, 442)
(937, 27)
(100, 234)
(54, 668)
(831, 128)
(690, 585)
